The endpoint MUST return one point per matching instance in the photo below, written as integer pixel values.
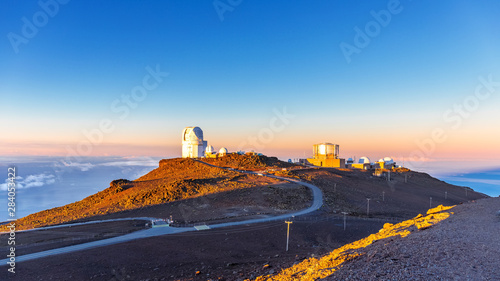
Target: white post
(383, 196)
(446, 195)
(287, 233)
(368, 206)
(335, 187)
(345, 213)
(430, 202)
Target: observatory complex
(324, 154)
(365, 164)
(327, 155)
(385, 163)
(194, 146)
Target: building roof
(364, 160)
(192, 134)
(325, 143)
(388, 159)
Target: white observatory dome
(350, 161)
(388, 159)
(193, 135)
(381, 160)
(210, 149)
(364, 160)
(223, 151)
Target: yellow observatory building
(326, 155)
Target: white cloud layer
(145, 162)
(30, 181)
(82, 166)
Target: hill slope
(318, 268)
(449, 243)
(173, 180)
(464, 247)
(405, 196)
(249, 162)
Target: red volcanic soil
(249, 162)
(175, 179)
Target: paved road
(158, 231)
(83, 223)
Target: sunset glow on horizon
(412, 85)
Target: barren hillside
(408, 193)
(464, 247)
(175, 179)
(249, 162)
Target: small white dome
(388, 159)
(381, 160)
(350, 160)
(223, 150)
(364, 160)
(210, 149)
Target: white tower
(193, 145)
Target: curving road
(158, 231)
(83, 223)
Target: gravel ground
(465, 246)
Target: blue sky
(233, 77)
(229, 76)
